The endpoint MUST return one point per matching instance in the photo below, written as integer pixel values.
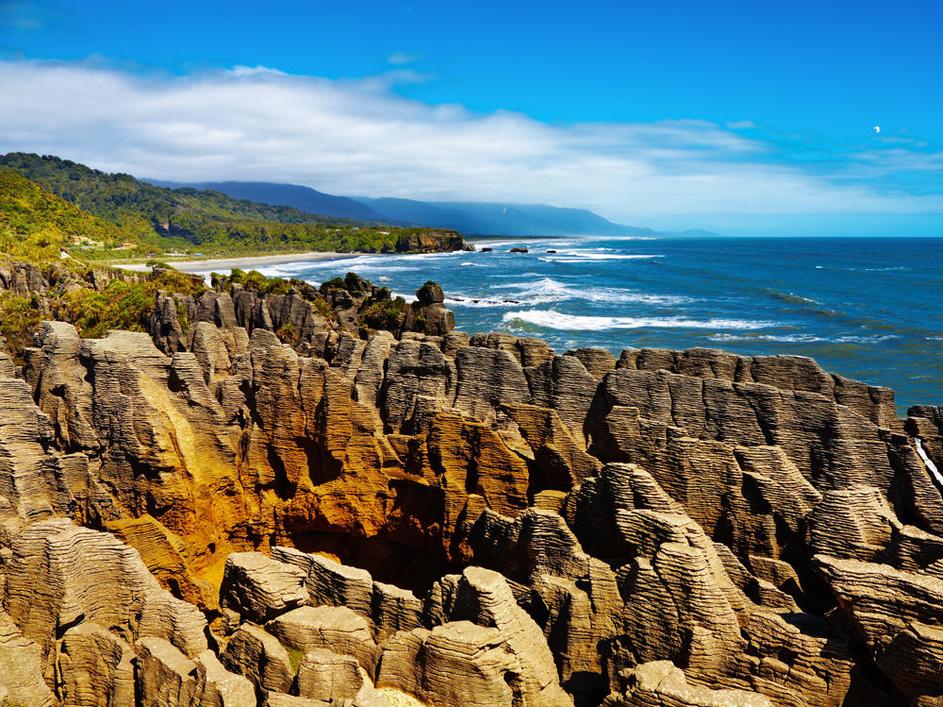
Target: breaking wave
(548, 291)
(551, 319)
(579, 256)
(804, 338)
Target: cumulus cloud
(360, 137)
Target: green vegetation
(159, 220)
(254, 281)
(19, 318)
(384, 311)
(335, 283)
(38, 225)
(286, 333)
(121, 304)
(65, 217)
(431, 291)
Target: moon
(877, 128)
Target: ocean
(866, 308)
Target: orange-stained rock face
(757, 522)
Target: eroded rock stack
(208, 515)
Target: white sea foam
(494, 245)
(578, 256)
(888, 268)
(865, 339)
(546, 290)
(427, 256)
(552, 319)
(545, 285)
(514, 275)
(460, 300)
(281, 270)
(360, 264)
(531, 244)
(803, 338)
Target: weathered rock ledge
(205, 515)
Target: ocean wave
(335, 262)
(278, 270)
(459, 300)
(427, 256)
(552, 319)
(359, 264)
(317, 271)
(532, 243)
(577, 256)
(547, 290)
(803, 338)
(790, 297)
(543, 291)
(888, 268)
(545, 285)
(510, 275)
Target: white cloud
(359, 137)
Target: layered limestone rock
(334, 628)
(258, 656)
(259, 588)
(662, 683)
(365, 515)
(21, 668)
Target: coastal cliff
(291, 496)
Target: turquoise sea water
(870, 309)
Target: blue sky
(740, 117)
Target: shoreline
(247, 262)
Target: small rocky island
(286, 495)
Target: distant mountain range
(293, 195)
(470, 218)
(484, 218)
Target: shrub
(286, 333)
(384, 314)
(19, 318)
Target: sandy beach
(244, 263)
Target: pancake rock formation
(217, 513)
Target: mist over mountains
(470, 218)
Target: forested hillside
(210, 222)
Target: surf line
(929, 462)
